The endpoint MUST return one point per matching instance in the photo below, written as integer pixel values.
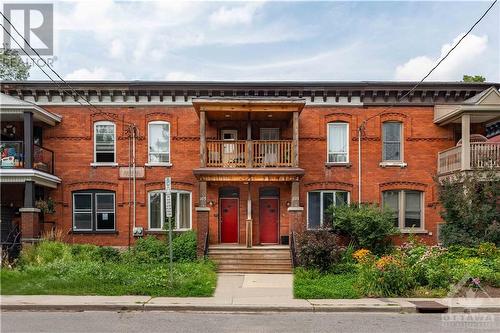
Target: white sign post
(168, 214)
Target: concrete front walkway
(241, 293)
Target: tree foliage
(473, 78)
(12, 67)
(470, 208)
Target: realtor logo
(35, 22)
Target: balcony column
(295, 144)
(28, 140)
(249, 221)
(202, 214)
(465, 142)
(203, 140)
(295, 210)
(249, 154)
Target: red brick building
(249, 162)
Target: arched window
(159, 142)
(319, 201)
(338, 142)
(392, 134)
(104, 142)
(407, 206)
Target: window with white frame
(391, 136)
(181, 210)
(93, 210)
(159, 142)
(407, 206)
(318, 203)
(104, 142)
(338, 142)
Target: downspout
(129, 186)
(359, 165)
(133, 176)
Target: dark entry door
(229, 220)
(268, 220)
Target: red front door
(229, 220)
(268, 220)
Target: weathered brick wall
(72, 142)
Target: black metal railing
(205, 250)
(12, 156)
(293, 251)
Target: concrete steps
(253, 260)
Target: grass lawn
(197, 279)
(308, 283)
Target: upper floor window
(407, 207)
(338, 142)
(391, 137)
(181, 210)
(159, 142)
(94, 210)
(318, 203)
(104, 142)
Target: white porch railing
(482, 155)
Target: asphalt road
(150, 322)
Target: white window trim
(95, 163)
(328, 142)
(321, 213)
(159, 122)
(162, 210)
(399, 162)
(106, 210)
(86, 211)
(402, 211)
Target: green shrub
(184, 247)
(470, 208)
(45, 252)
(318, 249)
(147, 250)
(108, 254)
(367, 226)
(488, 250)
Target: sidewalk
(240, 293)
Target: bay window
(317, 204)
(181, 210)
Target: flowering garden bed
(412, 270)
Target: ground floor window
(181, 210)
(317, 204)
(93, 210)
(407, 207)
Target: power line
(433, 68)
(58, 85)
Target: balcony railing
(482, 155)
(249, 154)
(12, 156)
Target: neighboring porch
(26, 167)
(474, 148)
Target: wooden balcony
(249, 153)
(483, 155)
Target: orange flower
(361, 255)
(383, 262)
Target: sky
(274, 40)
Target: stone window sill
(94, 232)
(162, 232)
(165, 165)
(338, 165)
(393, 164)
(96, 164)
(413, 231)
